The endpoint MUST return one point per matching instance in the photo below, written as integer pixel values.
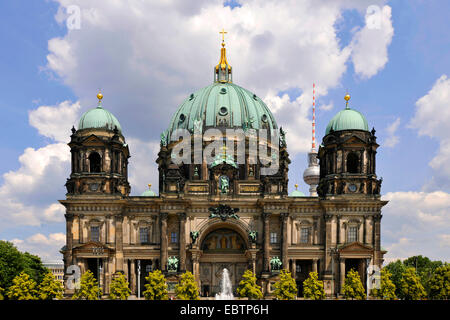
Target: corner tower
(99, 155)
(347, 156)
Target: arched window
(352, 163)
(95, 162)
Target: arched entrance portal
(222, 248)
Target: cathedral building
(226, 212)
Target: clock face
(93, 186)
(352, 187)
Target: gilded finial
(149, 186)
(223, 37)
(296, 186)
(99, 96)
(346, 98)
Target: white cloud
(162, 51)
(432, 110)
(28, 195)
(46, 247)
(53, 121)
(392, 139)
(370, 44)
(431, 118)
(415, 222)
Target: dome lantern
(222, 72)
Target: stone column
(364, 230)
(119, 242)
(377, 239)
(80, 228)
(196, 266)
(164, 244)
(338, 229)
(294, 268)
(328, 254)
(342, 274)
(284, 243)
(266, 249)
(107, 217)
(69, 238)
(314, 265)
(133, 276)
(182, 242)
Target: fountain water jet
(226, 290)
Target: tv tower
(312, 173)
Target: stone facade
(207, 230)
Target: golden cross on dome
(223, 35)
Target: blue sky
(417, 56)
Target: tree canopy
(23, 288)
(387, 287)
(353, 287)
(187, 289)
(313, 287)
(440, 283)
(119, 288)
(13, 262)
(50, 288)
(248, 287)
(156, 286)
(285, 288)
(410, 286)
(89, 289)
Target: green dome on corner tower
(99, 118)
(222, 104)
(347, 119)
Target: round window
(182, 117)
(264, 118)
(223, 111)
(223, 91)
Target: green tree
(1, 293)
(13, 262)
(440, 283)
(411, 286)
(50, 288)
(119, 288)
(23, 288)
(248, 287)
(156, 286)
(285, 288)
(387, 287)
(313, 287)
(396, 269)
(187, 289)
(425, 269)
(353, 287)
(89, 289)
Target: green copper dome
(296, 193)
(99, 118)
(347, 119)
(149, 192)
(222, 104)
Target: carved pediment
(355, 247)
(355, 139)
(94, 249)
(93, 141)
